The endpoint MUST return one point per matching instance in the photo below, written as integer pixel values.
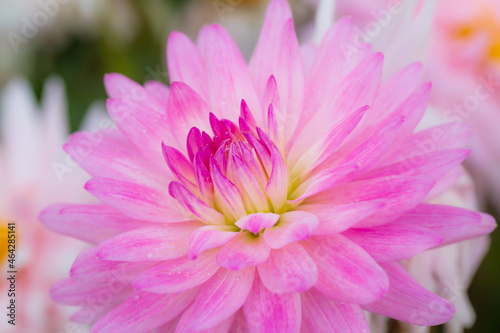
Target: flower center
(486, 24)
(237, 171)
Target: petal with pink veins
(246, 249)
(266, 311)
(209, 237)
(228, 77)
(217, 299)
(177, 275)
(393, 241)
(334, 219)
(322, 314)
(194, 205)
(346, 272)
(90, 223)
(154, 243)
(186, 109)
(407, 301)
(144, 311)
(136, 201)
(289, 269)
(453, 223)
(185, 63)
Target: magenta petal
(346, 272)
(266, 311)
(243, 250)
(257, 221)
(144, 311)
(136, 201)
(209, 237)
(180, 166)
(194, 205)
(452, 223)
(90, 223)
(290, 269)
(228, 194)
(407, 301)
(322, 314)
(177, 275)
(394, 241)
(277, 186)
(154, 243)
(218, 299)
(292, 227)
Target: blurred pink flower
(465, 67)
(30, 143)
(291, 216)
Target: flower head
(273, 197)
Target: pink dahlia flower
(273, 197)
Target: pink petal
(358, 89)
(452, 223)
(268, 45)
(185, 63)
(334, 219)
(180, 166)
(254, 197)
(158, 90)
(393, 241)
(73, 292)
(324, 148)
(209, 237)
(88, 267)
(228, 78)
(322, 314)
(177, 275)
(325, 180)
(435, 164)
(144, 311)
(204, 180)
(290, 269)
(407, 301)
(90, 223)
(243, 250)
(400, 194)
(194, 205)
(143, 126)
(228, 194)
(292, 227)
(269, 312)
(346, 272)
(110, 154)
(218, 299)
(257, 221)
(186, 109)
(136, 201)
(276, 188)
(154, 243)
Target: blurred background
(81, 40)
